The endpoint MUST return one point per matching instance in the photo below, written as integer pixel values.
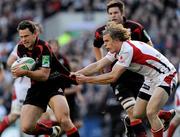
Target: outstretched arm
(106, 78)
(94, 67)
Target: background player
(125, 94)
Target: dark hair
(116, 3)
(26, 24)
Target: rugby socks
(138, 128)
(157, 133)
(41, 129)
(171, 130)
(73, 132)
(166, 115)
(48, 122)
(4, 124)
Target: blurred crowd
(161, 19)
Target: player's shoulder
(99, 32)
(100, 28)
(42, 42)
(132, 24)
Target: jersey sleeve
(145, 37)
(110, 56)
(138, 32)
(46, 57)
(98, 37)
(125, 56)
(14, 52)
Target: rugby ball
(26, 63)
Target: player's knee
(150, 112)
(138, 114)
(26, 129)
(13, 117)
(65, 120)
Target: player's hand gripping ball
(25, 63)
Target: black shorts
(40, 96)
(128, 85)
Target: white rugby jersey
(14, 52)
(141, 58)
(21, 84)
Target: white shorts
(21, 86)
(150, 84)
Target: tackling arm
(94, 67)
(106, 78)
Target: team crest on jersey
(123, 57)
(45, 61)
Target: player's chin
(115, 20)
(27, 45)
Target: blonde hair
(117, 31)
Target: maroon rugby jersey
(137, 33)
(58, 74)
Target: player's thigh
(59, 105)
(157, 100)
(29, 115)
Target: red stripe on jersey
(41, 50)
(137, 30)
(141, 58)
(169, 78)
(47, 45)
(13, 95)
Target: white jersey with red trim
(21, 86)
(141, 58)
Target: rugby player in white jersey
(160, 75)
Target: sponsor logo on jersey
(45, 61)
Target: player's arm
(12, 57)
(98, 53)
(11, 60)
(42, 74)
(146, 37)
(97, 44)
(106, 78)
(95, 67)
